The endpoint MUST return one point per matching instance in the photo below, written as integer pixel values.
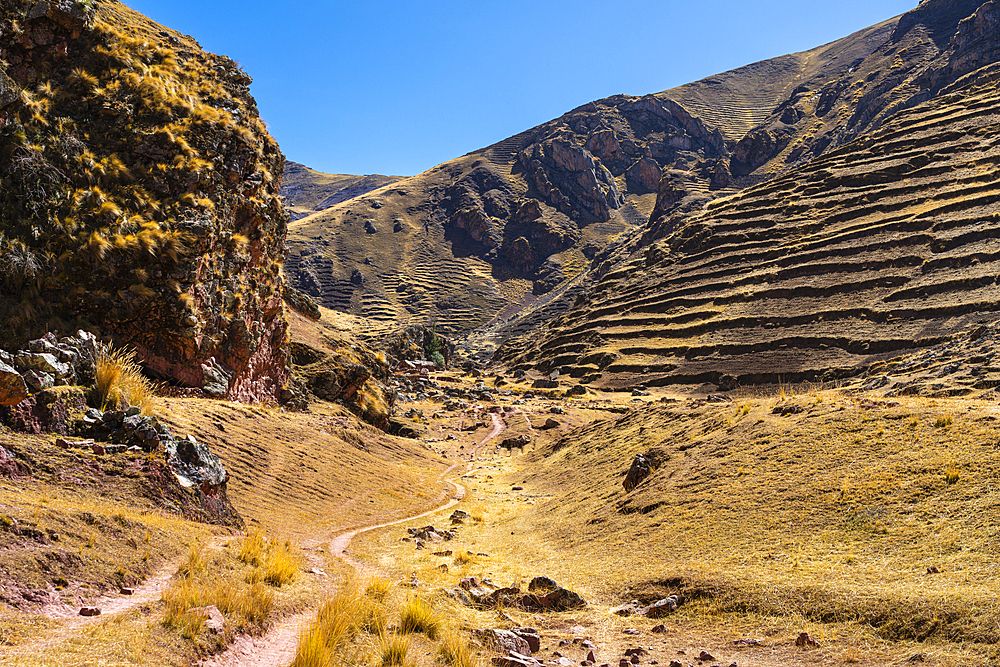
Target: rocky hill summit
(140, 196)
(875, 248)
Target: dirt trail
(277, 647)
(110, 605)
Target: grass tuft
(455, 650)
(393, 649)
(119, 379)
(417, 615)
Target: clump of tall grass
(393, 649)
(119, 379)
(275, 563)
(333, 630)
(455, 650)
(417, 615)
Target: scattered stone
(520, 442)
(90, 611)
(458, 595)
(550, 423)
(215, 622)
(564, 662)
(13, 390)
(638, 650)
(727, 383)
(545, 384)
(370, 227)
(718, 398)
(99, 450)
(531, 636)
(447, 552)
(659, 629)
(805, 640)
(641, 468)
(748, 642)
(663, 607)
(676, 663)
(318, 572)
(556, 410)
(577, 390)
(705, 656)
(127, 591)
(516, 660)
(590, 656)
(933, 570)
(785, 410)
(630, 631)
(503, 641)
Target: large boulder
(13, 390)
(200, 471)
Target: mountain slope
(481, 238)
(878, 247)
(307, 191)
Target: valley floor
(869, 524)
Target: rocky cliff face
(140, 196)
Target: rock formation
(140, 196)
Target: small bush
(253, 548)
(378, 588)
(943, 422)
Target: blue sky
(389, 87)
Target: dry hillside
(877, 247)
(307, 191)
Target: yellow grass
(119, 379)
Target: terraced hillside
(533, 213)
(307, 191)
(879, 247)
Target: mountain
(307, 191)
(516, 226)
(140, 197)
(878, 246)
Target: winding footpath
(278, 646)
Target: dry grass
(119, 380)
(353, 628)
(297, 474)
(827, 519)
(240, 580)
(393, 649)
(417, 615)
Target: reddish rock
(90, 611)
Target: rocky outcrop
(200, 471)
(569, 179)
(419, 343)
(146, 203)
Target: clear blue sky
(389, 87)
